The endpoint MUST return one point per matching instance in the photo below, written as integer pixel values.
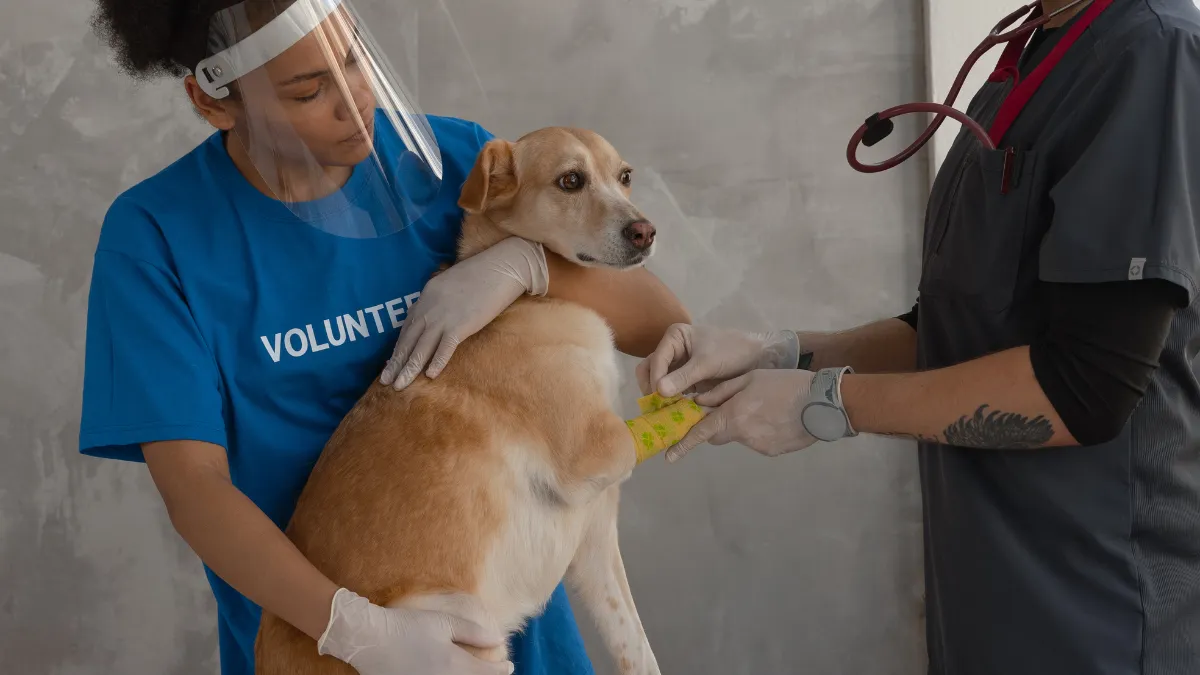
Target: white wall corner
(953, 29)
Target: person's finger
(694, 371)
(421, 353)
(464, 663)
(409, 335)
(708, 427)
(718, 395)
(671, 349)
(643, 377)
(728, 426)
(472, 634)
(445, 350)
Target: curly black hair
(155, 38)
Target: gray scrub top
(1073, 561)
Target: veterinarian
(244, 297)
(1048, 369)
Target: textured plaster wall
(736, 114)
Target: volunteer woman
(1049, 369)
(245, 296)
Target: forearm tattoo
(994, 431)
(999, 431)
(806, 359)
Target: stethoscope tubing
(879, 125)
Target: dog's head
(565, 188)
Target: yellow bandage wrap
(663, 423)
(648, 404)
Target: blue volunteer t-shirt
(215, 315)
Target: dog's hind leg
(597, 574)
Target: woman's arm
(245, 548)
(234, 537)
(993, 402)
(636, 304)
(886, 346)
(1076, 384)
(459, 302)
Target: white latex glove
(383, 641)
(705, 355)
(459, 302)
(760, 410)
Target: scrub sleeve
(1127, 207)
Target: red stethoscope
(880, 125)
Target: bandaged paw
(664, 422)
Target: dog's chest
(530, 557)
(601, 366)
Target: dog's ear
(492, 181)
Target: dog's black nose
(640, 233)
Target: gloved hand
(459, 302)
(383, 641)
(709, 355)
(760, 410)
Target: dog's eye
(570, 181)
(626, 177)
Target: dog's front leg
(597, 574)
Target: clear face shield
(321, 115)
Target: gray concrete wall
(736, 114)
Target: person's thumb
(472, 634)
(695, 370)
(708, 427)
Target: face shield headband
(322, 115)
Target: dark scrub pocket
(974, 255)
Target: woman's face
(312, 102)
